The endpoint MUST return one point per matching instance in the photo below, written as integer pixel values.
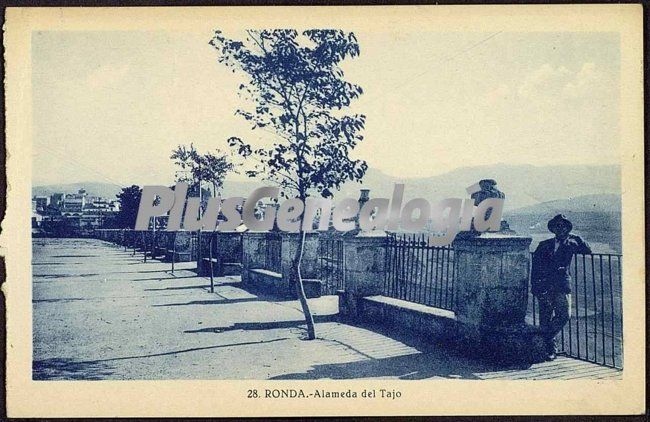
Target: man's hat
(557, 220)
(487, 183)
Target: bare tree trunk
(300, 288)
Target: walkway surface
(102, 313)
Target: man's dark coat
(550, 271)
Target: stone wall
(491, 285)
(254, 263)
(491, 288)
(226, 254)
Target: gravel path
(101, 313)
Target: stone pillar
(202, 264)
(491, 296)
(365, 258)
(253, 253)
(308, 268)
(227, 248)
(183, 246)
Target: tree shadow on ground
(61, 299)
(37, 264)
(223, 301)
(431, 360)
(196, 286)
(194, 349)
(169, 277)
(259, 295)
(416, 366)
(55, 276)
(271, 325)
(63, 368)
(145, 271)
(486, 360)
(202, 286)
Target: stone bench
(273, 282)
(267, 279)
(157, 252)
(205, 266)
(179, 256)
(427, 321)
(502, 345)
(313, 287)
(231, 268)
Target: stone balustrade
(263, 265)
(491, 283)
(225, 258)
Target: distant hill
(524, 185)
(597, 218)
(602, 203)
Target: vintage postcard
(312, 211)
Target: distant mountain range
(597, 218)
(524, 185)
(606, 203)
(588, 195)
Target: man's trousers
(554, 313)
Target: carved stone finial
(489, 190)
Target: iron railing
(418, 272)
(595, 331)
(331, 264)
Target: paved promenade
(102, 313)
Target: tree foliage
(296, 85)
(129, 199)
(197, 168)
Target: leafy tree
(129, 199)
(296, 85)
(187, 158)
(197, 168)
(215, 167)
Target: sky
(110, 106)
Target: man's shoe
(551, 356)
(551, 349)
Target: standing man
(550, 278)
